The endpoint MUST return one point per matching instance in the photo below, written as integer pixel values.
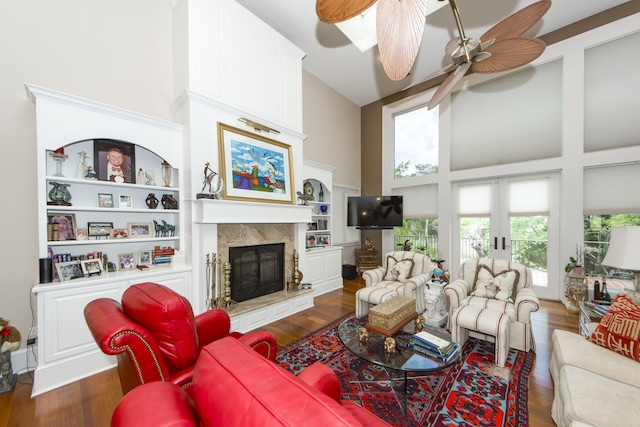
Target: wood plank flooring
(90, 402)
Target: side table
(366, 260)
(587, 316)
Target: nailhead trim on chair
(136, 364)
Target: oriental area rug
(474, 392)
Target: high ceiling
(359, 76)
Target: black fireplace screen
(256, 270)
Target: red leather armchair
(233, 387)
(156, 337)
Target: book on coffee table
(451, 352)
(432, 341)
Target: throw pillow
(619, 329)
(500, 286)
(398, 270)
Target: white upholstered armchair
(402, 273)
(518, 305)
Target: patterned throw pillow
(619, 329)
(398, 271)
(500, 286)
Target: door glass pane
(420, 234)
(474, 238)
(529, 245)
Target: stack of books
(433, 346)
(599, 309)
(162, 257)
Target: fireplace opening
(256, 270)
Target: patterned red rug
(474, 392)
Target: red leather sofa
(234, 386)
(156, 337)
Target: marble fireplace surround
(237, 223)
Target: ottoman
(483, 320)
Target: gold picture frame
(255, 168)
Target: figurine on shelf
(59, 195)
(321, 194)
(166, 173)
(81, 169)
(140, 176)
(368, 243)
(149, 178)
(59, 157)
(91, 173)
(169, 202)
(152, 201)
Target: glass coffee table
(404, 359)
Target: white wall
(117, 52)
(332, 125)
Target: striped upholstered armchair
(402, 273)
(518, 303)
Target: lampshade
(624, 248)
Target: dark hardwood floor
(90, 402)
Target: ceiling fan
(499, 49)
(399, 29)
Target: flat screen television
(374, 212)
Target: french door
(513, 218)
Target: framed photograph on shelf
(144, 257)
(119, 233)
(99, 229)
(126, 201)
(69, 270)
(65, 223)
(105, 200)
(114, 160)
(323, 240)
(140, 229)
(82, 234)
(91, 266)
(254, 168)
(126, 261)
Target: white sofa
(593, 386)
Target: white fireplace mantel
(234, 212)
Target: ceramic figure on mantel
(140, 176)
(149, 178)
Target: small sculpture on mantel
(212, 182)
(150, 179)
(152, 201)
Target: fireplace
(256, 270)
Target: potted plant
(575, 263)
(406, 246)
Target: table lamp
(624, 251)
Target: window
(420, 234)
(597, 231)
(416, 134)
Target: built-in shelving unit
(70, 125)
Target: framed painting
(115, 161)
(254, 168)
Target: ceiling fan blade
(451, 46)
(333, 11)
(448, 84)
(399, 29)
(516, 24)
(509, 54)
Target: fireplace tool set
(218, 291)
